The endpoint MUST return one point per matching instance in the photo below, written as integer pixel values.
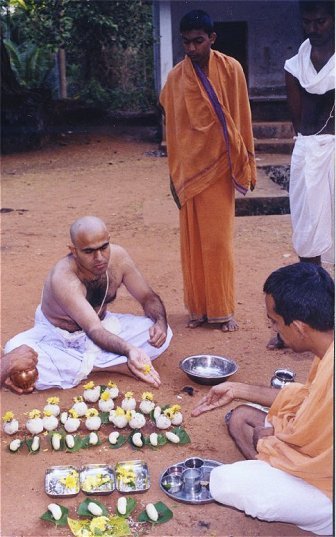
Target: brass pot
(25, 379)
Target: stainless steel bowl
(208, 369)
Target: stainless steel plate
(61, 481)
(132, 476)
(203, 496)
(97, 479)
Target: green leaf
(29, 442)
(86, 442)
(77, 446)
(104, 416)
(131, 441)
(182, 434)
(130, 506)
(165, 514)
(120, 442)
(61, 522)
(83, 510)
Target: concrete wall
(273, 34)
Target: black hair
(313, 5)
(303, 292)
(197, 20)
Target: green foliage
(31, 64)
(108, 47)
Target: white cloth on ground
(302, 68)
(65, 358)
(270, 494)
(312, 198)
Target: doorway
(232, 40)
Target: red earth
(114, 175)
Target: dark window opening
(232, 40)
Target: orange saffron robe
(302, 417)
(202, 177)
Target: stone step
(269, 197)
(274, 145)
(272, 129)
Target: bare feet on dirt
(230, 326)
(195, 323)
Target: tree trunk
(61, 62)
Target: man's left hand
(157, 334)
(261, 432)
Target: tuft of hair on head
(196, 19)
(313, 5)
(303, 292)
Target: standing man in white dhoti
(310, 81)
(74, 333)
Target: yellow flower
(111, 384)
(175, 408)
(147, 396)
(128, 395)
(105, 396)
(73, 413)
(47, 413)
(119, 411)
(171, 411)
(78, 399)
(98, 523)
(147, 369)
(129, 415)
(53, 400)
(91, 413)
(34, 413)
(89, 385)
(70, 481)
(93, 482)
(8, 416)
(126, 475)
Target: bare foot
(195, 323)
(275, 343)
(230, 326)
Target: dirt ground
(115, 176)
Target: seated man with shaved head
(74, 333)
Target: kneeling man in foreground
(288, 476)
(74, 333)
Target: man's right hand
(219, 395)
(141, 366)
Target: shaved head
(86, 226)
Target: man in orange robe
(210, 153)
(288, 476)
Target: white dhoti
(65, 358)
(264, 492)
(311, 194)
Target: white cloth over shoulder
(312, 197)
(301, 67)
(265, 492)
(65, 358)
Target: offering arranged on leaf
(128, 403)
(34, 424)
(53, 406)
(79, 406)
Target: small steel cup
(194, 462)
(192, 481)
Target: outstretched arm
(70, 295)
(225, 393)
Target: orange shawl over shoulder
(197, 151)
(302, 417)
